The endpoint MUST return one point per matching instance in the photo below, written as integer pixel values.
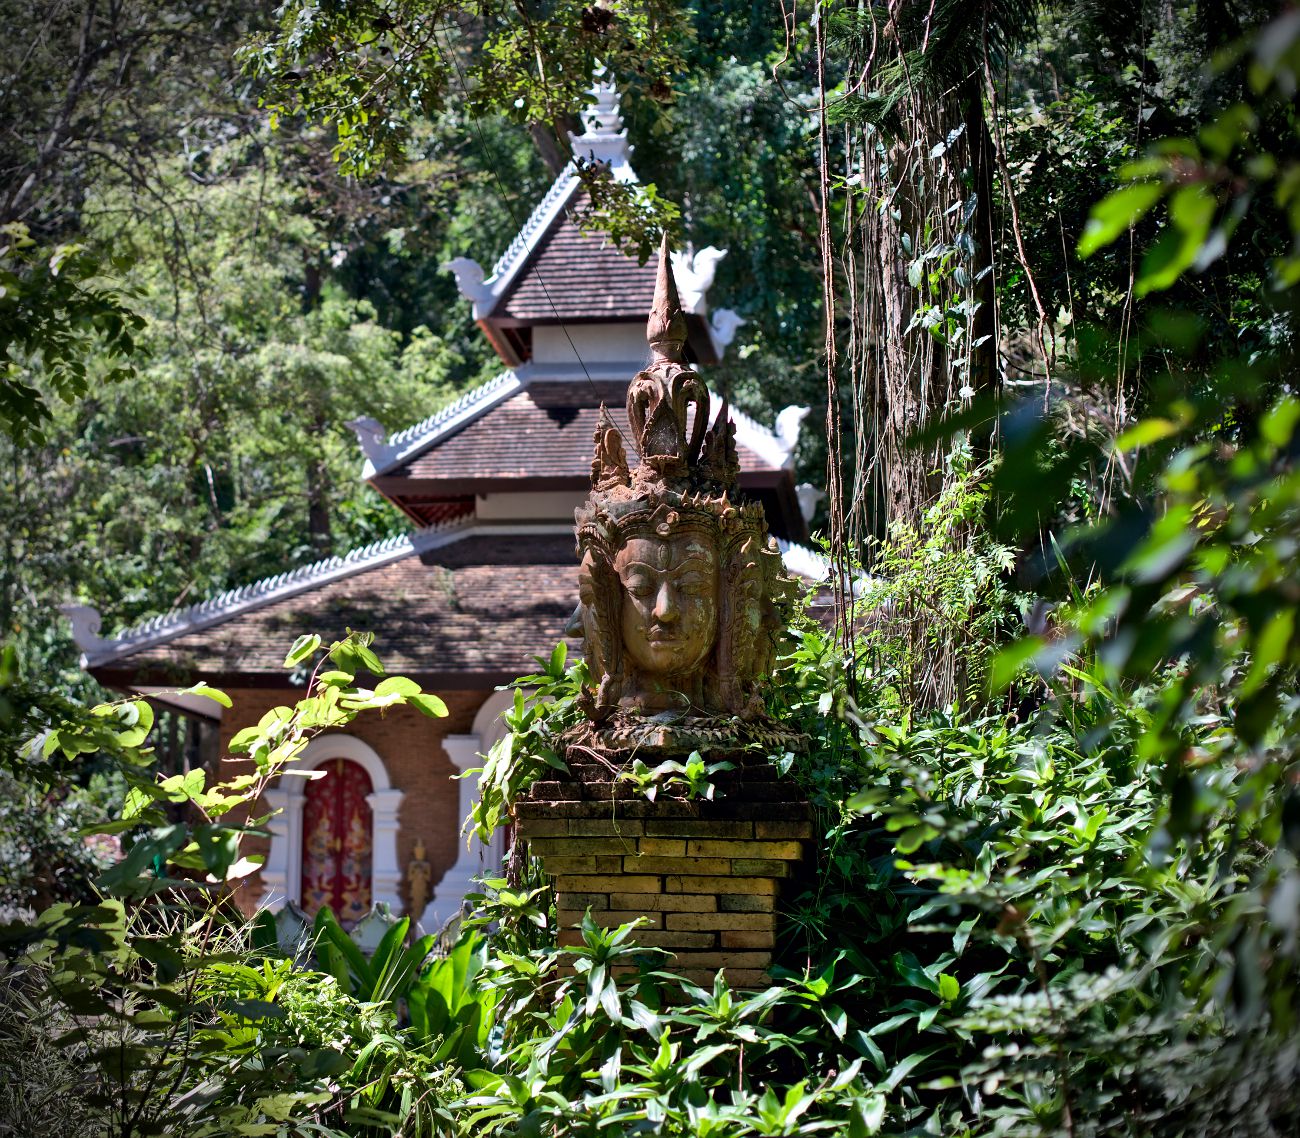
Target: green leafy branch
(1210, 182)
(531, 744)
(212, 846)
(54, 310)
(694, 777)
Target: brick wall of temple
(410, 745)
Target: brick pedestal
(706, 875)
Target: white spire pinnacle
(605, 138)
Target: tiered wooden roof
(470, 613)
(467, 599)
(538, 437)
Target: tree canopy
(1034, 266)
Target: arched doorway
(338, 840)
(282, 876)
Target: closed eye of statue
(640, 584)
(695, 584)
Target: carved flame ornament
(683, 598)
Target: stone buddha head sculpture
(681, 590)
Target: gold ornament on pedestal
(419, 880)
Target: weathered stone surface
(662, 847)
(770, 830)
(542, 827)
(609, 918)
(682, 595)
(582, 846)
(755, 938)
(759, 867)
(746, 903)
(720, 885)
(622, 883)
(709, 848)
(667, 902)
(639, 864)
(700, 828)
(568, 799)
(678, 939)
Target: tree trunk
(546, 140)
(925, 307)
(318, 506)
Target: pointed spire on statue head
(666, 328)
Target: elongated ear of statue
(679, 598)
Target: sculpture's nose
(666, 604)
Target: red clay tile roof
(479, 611)
(545, 431)
(573, 275)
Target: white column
(449, 893)
(385, 873)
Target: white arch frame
(282, 873)
(475, 859)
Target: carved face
(670, 602)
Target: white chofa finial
(695, 273)
(788, 423)
(604, 139)
(372, 437)
(469, 278)
(86, 623)
(808, 496)
(723, 323)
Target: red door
(337, 838)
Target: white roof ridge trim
(411, 440)
(406, 434)
(543, 213)
(159, 629)
(488, 294)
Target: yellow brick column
(705, 875)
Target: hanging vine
(908, 263)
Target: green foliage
(286, 1049)
(1075, 918)
(387, 976)
(451, 1009)
(691, 779)
(632, 216)
(178, 1023)
(937, 601)
(1208, 183)
(56, 311)
(44, 857)
(372, 71)
(532, 744)
(44, 1088)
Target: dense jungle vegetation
(1036, 268)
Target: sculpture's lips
(653, 637)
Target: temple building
(485, 580)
